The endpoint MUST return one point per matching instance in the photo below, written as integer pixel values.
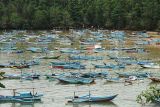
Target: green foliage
(112, 14)
(1, 75)
(1, 85)
(149, 95)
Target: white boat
(151, 65)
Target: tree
(55, 17)
(16, 21)
(112, 14)
(1, 85)
(39, 20)
(150, 95)
(66, 19)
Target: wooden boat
(137, 74)
(91, 58)
(143, 62)
(151, 65)
(51, 57)
(5, 65)
(90, 98)
(25, 76)
(21, 97)
(67, 65)
(12, 76)
(70, 51)
(94, 74)
(24, 63)
(75, 80)
(31, 76)
(114, 79)
(155, 79)
(19, 66)
(71, 66)
(34, 50)
(109, 66)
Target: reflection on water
(22, 105)
(17, 104)
(90, 104)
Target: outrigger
(22, 97)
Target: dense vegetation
(149, 95)
(110, 14)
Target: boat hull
(92, 99)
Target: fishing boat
(71, 66)
(90, 98)
(151, 65)
(67, 65)
(31, 76)
(50, 57)
(4, 65)
(19, 66)
(91, 58)
(12, 76)
(109, 66)
(75, 80)
(155, 79)
(143, 62)
(34, 50)
(25, 63)
(114, 79)
(94, 74)
(22, 97)
(70, 51)
(26, 76)
(52, 76)
(137, 74)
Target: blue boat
(31, 76)
(109, 66)
(75, 80)
(27, 63)
(143, 62)
(90, 98)
(25, 76)
(34, 50)
(94, 74)
(67, 65)
(21, 97)
(137, 74)
(31, 62)
(70, 51)
(91, 58)
(71, 66)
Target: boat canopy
(25, 94)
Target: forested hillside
(110, 14)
